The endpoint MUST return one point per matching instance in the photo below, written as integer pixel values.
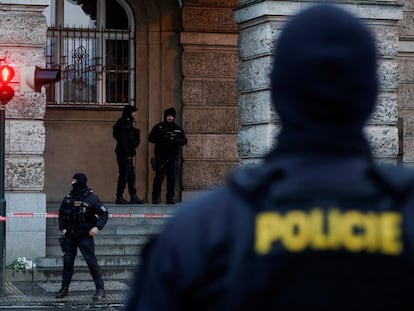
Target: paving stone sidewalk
(80, 292)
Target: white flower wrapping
(21, 264)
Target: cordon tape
(56, 215)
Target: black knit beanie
(169, 112)
(324, 79)
(128, 110)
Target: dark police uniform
(317, 223)
(262, 243)
(128, 139)
(79, 212)
(168, 137)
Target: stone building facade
(208, 58)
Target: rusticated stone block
(210, 92)
(209, 19)
(219, 92)
(210, 120)
(211, 147)
(27, 106)
(205, 174)
(383, 140)
(256, 107)
(407, 24)
(192, 91)
(257, 141)
(24, 172)
(386, 40)
(408, 122)
(408, 5)
(386, 109)
(34, 26)
(406, 69)
(406, 96)
(210, 64)
(388, 74)
(254, 74)
(259, 40)
(409, 149)
(25, 137)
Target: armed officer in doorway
(81, 217)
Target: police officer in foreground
(318, 223)
(81, 217)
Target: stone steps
(118, 245)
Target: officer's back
(318, 223)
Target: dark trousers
(126, 175)
(87, 248)
(164, 167)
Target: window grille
(95, 64)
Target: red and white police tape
(56, 215)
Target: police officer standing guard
(81, 217)
(127, 140)
(168, 137)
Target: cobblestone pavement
(29, 295)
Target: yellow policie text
(331, 229)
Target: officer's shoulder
(396, 176)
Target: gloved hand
(170, 135)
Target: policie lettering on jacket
(332, 229)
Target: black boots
(63, 292)
(99, 295)
(136, 200)
(120, 200)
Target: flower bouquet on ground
(21, 263)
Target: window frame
(56, 58)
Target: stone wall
(406, 87)
(23, 38)
(210, 112)
(260, 24)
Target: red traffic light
(6, 74)
(6, 91)
(6, 94)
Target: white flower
(21, 264)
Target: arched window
(92, 41)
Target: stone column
(406, 87)
(209, 66)
(260, 23)
(23, 37)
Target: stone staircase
(117, 246)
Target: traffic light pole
(2, 201)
